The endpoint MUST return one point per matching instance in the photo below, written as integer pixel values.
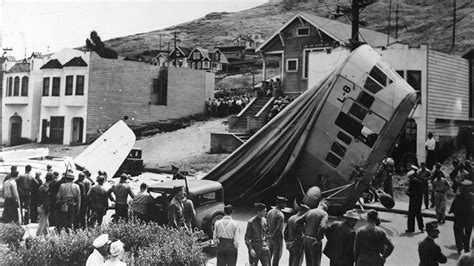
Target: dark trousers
(121, 212)
(10, 212)
(66, 219)
(332, 263)
(276, 248)
(296, 253)
(313, 251)
(262, 254)
(226, 252)
(80, 219)
(388, 185)
(96, 217)
(462, 231)
(414, 211)
(25, 208)
(430, 159)
(34, 216)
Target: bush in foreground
(145, 244)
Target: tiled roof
(20, 67)
(52, 64)
(76, 62)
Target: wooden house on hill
(179, 56)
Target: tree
(94, 43)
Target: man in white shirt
(226, 233)
(430, 146)
(101, 248)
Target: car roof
(196, 187)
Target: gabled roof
(20, 67)
(184, 50)
(76, 62)
(339, 31)
(36, 55)
(223, 58)
(9, 58)
(203, 51)
(52, 64)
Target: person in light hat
(415, 192)
(341, 235)
(428, 251)
(461, 208)
(101, 249)
(116, 251)
(276, 219)
(69, 197)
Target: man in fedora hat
(371, 245)
(69, 198)
(341, 235)
(121, 192)
(429, 252)
(294, 235)
(276, 218)
(415, 193)
(461, 208)
(101, 249)
(256, 237)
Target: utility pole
(396, 23)
(389, 18)
(175, 58)
(355, 21)
(454, 25)
(160, 40)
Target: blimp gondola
(334, 136)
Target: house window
(10, 86)
(69, 84)
(193, 65)
(46, 86)
(292, 65)
(217, 57)
(56, 86)
(24, 86)
(205, 65)
(303, 31)
(159, 90)
(414, 79)
(199, 65)
(79, 85)
(16, 87)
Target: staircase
(239, 123)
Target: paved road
(406, 245)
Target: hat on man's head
(123, 176)
(259, 206)
(431, 226)
(352, 214)
(177, 189)
(69, 175)
(116, 248)
(101, 240)
(466, 182)
(281, 199)
(373, 215)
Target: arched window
(10, 86)
(24, 86)
(16, 87)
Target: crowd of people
(227, 105)
(279, 104)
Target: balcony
(78, 101)
(50, 101)
(15, 100)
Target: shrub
(145, 244)
(11, 234)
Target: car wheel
(216, 217)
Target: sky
(49, 26)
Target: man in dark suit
(429, 252)
(415, 192)
(340, 246)
(461, 207)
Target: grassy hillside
(420, 21)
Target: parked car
(206, 195)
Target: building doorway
(77, 130)
(56, 134)
(44, 131)
(15, 130)
(404, 153)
